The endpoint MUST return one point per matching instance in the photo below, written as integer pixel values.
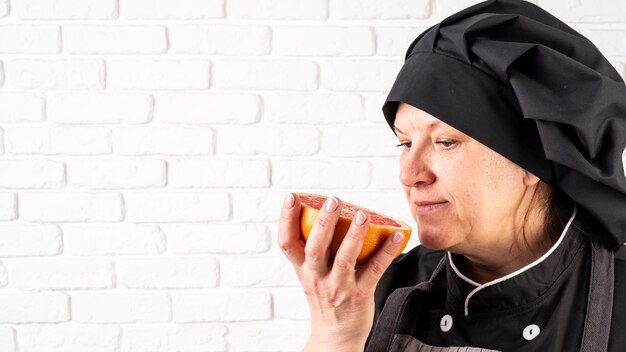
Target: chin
(434, 238)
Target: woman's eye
(407, 145)
(447, 144)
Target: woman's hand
(341, 298)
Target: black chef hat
(522, 82)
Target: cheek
(473, 186)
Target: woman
(512, 127)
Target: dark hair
(558, 212)
(554, 207)
(557, 208)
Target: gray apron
(400, 310)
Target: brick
(118, 39)
(222, 307)
(7, 337)
(610, 42)
(590, 11)
(266, 74)
(209, 108)
(359, 75)
(89, 108)
(4, 8)
(121, 307)
(168, 273)
(46, 307)
(57, 273)
(163, 140)
(372, 9)
(276, 141)
(158, 74)
(30, 39)
(177, 206)
(4, 279)
(278, 9)
(67, 9)
(219, 39)
(116, 173)
(126, 239)
(70, 338)
(228, 238)
(18, 240)
(359, 141)
(266, 337)
(446, 8)
(322, 41)
(291, 304)
(8, 206)
(76, 206)
(165, 9)
(318, 173)
(313, 109)
(31, 173)
(20, 107)
(275, 249)
(229, 173)
(258, 206)
(56, 74)
(387, 174)
(167, 338)
(394, 41)
(59, 140)
(373, 107)
(262, 271)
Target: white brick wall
(66, 9)
(69, 338)
(19, 240)
(146, 146)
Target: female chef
(512, 129)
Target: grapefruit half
(380, 226)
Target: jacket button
(446, 323)
(531, 331)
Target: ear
(530, 179)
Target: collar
(518, 288)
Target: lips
(427, 207)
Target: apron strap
(389, 319)
(599, 301)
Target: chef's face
(463, 195)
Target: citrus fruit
(380, 226)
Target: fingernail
(360, 218)
(397, 237)
(331, 204)
(289, 201)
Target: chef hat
(523, 83)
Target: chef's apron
(400, 311)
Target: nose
(415, 169)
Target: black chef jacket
(539, 308)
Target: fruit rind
(374, 239)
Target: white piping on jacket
(517, 272)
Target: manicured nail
(360, 218)
(331, 204)
(289, 201)
(397, 237)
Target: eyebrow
(430, 126)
